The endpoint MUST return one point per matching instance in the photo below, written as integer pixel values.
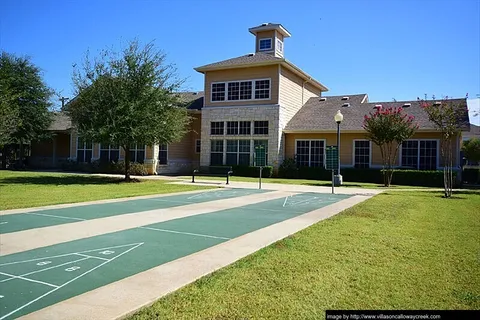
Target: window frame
(279, 46)
(263, 40)
(222, 128)
(84, 149)
(218, 152)
(369, 153)
(253, 90)
(109, 149)
(437, 153)
(232, 130)
(310, 151)
(198, 146)
(160, 150)
(255, 129)
(136, 153)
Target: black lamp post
(338, 119)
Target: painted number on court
(42, 263)
(107, 252)
(72, 269)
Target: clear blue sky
(389, 49)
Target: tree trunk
(21, 151)
(127, 162)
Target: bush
(288, 169)
(98, 166)
(471, 175)
(250, 171)
(424, 178)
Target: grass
(30, 189)
(319, 183)
(398, 250)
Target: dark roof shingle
(61, 122)
(318, 115)
(194, 100)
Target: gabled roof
(194, 100)
(258, 59)
(61, 122)
(249, 60)
(270, 26)
(317, 115)
(473, 133)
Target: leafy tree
(471, 149)
(447, 116)
(25, 100)
(128, 97)
(388, 128)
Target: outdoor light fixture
(338, 119)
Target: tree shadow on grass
(325, 184)
(61, 180)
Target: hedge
(250, 171)
(471, 175)
(118, 167)
(433, 178)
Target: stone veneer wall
(268, 113)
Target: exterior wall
(246, 113)
(293, 95)
(50, 153)
(346, 146)
(251, 73)
(263, 35)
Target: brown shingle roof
(61, 122)
(194, 100)
(318, 115)
(248, 59)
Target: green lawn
(305, 182)
(398, 250)
(29, 189)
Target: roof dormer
(269, 38)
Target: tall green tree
(447, 116)
(25, 101)
(128, 97)
(471, 149)
(388, 128)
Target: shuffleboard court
(44, 218)
(35, 279)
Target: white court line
(51, 291)
(286, 198)
(28, 279)
(3, 222)
(302, 201)
(187, 233)
(93, 257)
(67, 254)
(52, 267)
(53, 216)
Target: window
(216, 152)
(361, 153)
(137, 153)
(245, 127)
(216, 128)
(232, 127)
(265, 44)
(163, 154)
(198, 145)
(420, 154)
(238, 152)
(218, 91)
(241, 90)
(262, 89)
(310, 153)
(263, 143)
(260, 127)
(109, 153)
(279, 45)
(84, 150)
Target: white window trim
(418, 155)
(218, 135)
(84, 149)
(266, 49)
(158, 158)
(136, 148)
(253, 81)
(369, 152)
(252, 130)
(238, 150)
(277, 46)
(109, 149)
(196, 140)
(310, 150)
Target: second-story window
(216, 128)
(260, 127)
(218, 91)
(232, 127)
(265, 44)
(262, 89)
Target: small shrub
(251, 171)
(288, 169)
(471, 175)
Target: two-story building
(261, 98)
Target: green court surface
(38, 278)
(51, 217)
